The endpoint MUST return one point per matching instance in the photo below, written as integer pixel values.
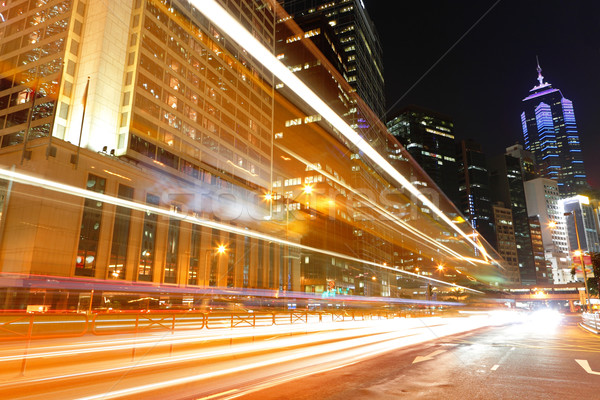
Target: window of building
(120, 237)
(231, 259)
(193, 270)
(146, 265)
(89, 234)
(172, 248)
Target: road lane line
(495, 367)
(586, 366)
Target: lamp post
(587, 293)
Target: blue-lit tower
(550, 133)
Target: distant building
(361, 58)
(543, 201)
(505, 241)
(429, 138)
(543, 269)
(527, 159)
(550, 133)
(474, 188)
(586, 224)
(506, 181)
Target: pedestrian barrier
(26, 326)
(14, 326)
(592, 320)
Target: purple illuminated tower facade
(550, 133)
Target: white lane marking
(495, 367)
(586, 366)
(428, 357)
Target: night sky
(480, 82)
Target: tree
(594, 283)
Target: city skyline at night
(206, 199)
(475, 62)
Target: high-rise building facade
(543, 201)
(361, 59)
(505, 241)
(550, 133)
(474, 188)
(584, 236)
(429, 138)
(506, 182)
(149, 102)
(543, 269)
(527, 159)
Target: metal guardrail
(42, 326)
(592, 320)
(21, 326)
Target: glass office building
(550, 133)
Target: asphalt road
(534, 360)
(403, 358)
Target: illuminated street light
(269, 196)
(221, 249)
(552, 224)
(307, 189)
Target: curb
(589, 328)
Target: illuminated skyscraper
(362, 57)
(429, 138)
(506, 182)
(474, 188)
(550, 133)
(131, 99)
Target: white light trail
(382, 210)
(353, 349)
(238, 33)
(79, 192)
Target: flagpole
(51, 133)
(26, 134)
(85, 94)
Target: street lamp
(579, 253)
(221, 249)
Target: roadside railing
(27, 326)
(592, 320)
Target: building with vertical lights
(550, 133)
